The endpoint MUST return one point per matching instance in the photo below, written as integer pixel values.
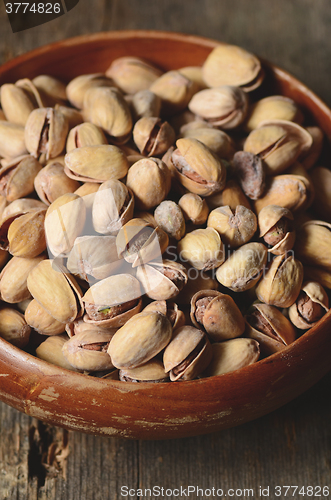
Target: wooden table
(291, 446)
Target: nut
(202, 248)
(232, 355)
(236, 228)
(311, 305)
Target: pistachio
(287, 191)
(194, 208)
(16, 104)
(162, 281)
(232, 355)
(77, 88)
(311, 157)
(232, 196)
(243, 269)
(313, 242)
(41, 321)
(175, 91)
(202, 248)
(169, 309)
(152, 136)
(217, 140)
(275, 107)
(17, 177)
(194, 73)
(51, 182)
(85, 134)
(321, 178)
(51, 351)
(133, 74)
(275, 228)
(152, 371)
(12, 143)
(140, 339)
(250, 173)
(197, 280)
(311, 305)
(236, 228)
(145, 104)
(13, 327)
(170, 218)
(73, 116)
(52, 87)
(281, 284)
(13, 279)
(26, 234)
(88, 351)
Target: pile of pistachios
(160, 226)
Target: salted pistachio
(73, 116)
(232, 355)
(133, 74)
(77, 87)
(41, 321)
(218, 314)
(17, 177)
(243, 269)
(38, 97)
(194, 73)
(249, 170)
(51, 351)
(197, 167)
(270, 328)
(88, 351)
(93, 256)
(321, 178)
(56, 291)
(232, 195)
(287, 191)
(21, 206)
(276, 228)
(169, 309)
(313, 243)
(139, 242)
(112, 207)
(140, 339)
(64, 221)
(194, 208)
(197, 280)
(152, 136)
(279, 143)
(12, 142)
(281, 284)
(16, 103)
(301, 173)
(274, 107)
(311, 305)
(202, 248)
(188, 354)
(319, 274)
(96, 163)
(85, 134)
(225, 106)
(112, 301)
(145, 103)
(26, 234)
(13, 279)
(170, 218)
(107, 108)
(13, 327)
(53, 88)
(235, 228)
(152, 371)
(162, 280)
(150, 181)
(51, 182)
(175, 91)
(217, 140)
(232, 65)
(79, 326)
(311, 157)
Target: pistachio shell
(175, 90)
(145, 103)
(202, 248)
(77, 88)
(52, 87)
(169, 309)
(88, 351)
(232, 355)
(12, 143)
(26, 234)
(194, 208)
(16, 104)
(152, 371)
(162, 281)
(313, 242)
(216, 140)
(133, 74)
(85, 134)
(13, 279)
(287, 191)
(51, 351)
(321, 178)
(13, 327)
(311, 157)
(73, 116)
(170, 218)
(318, 305)
(194, 73)
(236, 228)
(152, 136)
(41, 321)
(17, 177)
(275, 107)
(51, 182)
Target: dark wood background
(291, 446)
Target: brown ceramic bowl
(167, 410)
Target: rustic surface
(291, 446)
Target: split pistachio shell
(51, 182)
(170, 218)
(51, 351)
(287, 191)
(112, 301)
(96, 163)
(64, 221)
(217, 140)
(145, 103)
(279, 143)
(41, 321)
(275, 107)
(281, 284)
(94, 256)
(202, 248)
(218, 313)
(310, 306)
(232, 196)
(140, 339)
(133, 74)
(88, 352)
(273, 224)
(77, 88)
(12, 142)
(169, 309)
(270, 328)
(198, 168)
(162, 281)
(13, 327)
(107, 108)
(112, 207)
(46, 132)
(232, 65)
(313, 244)
(152, 371)
(26, 234)
(152, 136)
(55, 291)
(194, 208)
(16, 104)
(13, 279)
(236, 228)
(224, 106)
(175, 91)
(243, 269)
(85, 134)
(188, 354)
(232, 355)
(17, 177)
(150, 181)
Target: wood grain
(289, 446)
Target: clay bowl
(167, 410)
